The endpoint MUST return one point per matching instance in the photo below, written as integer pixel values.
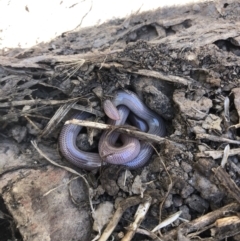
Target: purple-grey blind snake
(132, 153)
(107, 143)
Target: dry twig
(36, 102)
(138, 218)
(201, 222)
(216, 138)
(138, 134)
(123, 206)
(151, 73)
(226, 181)
(218, 154)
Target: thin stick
(216, 138)
(138, 134)
(225, 180)
(201, 222)
(123, 206)
(139, 216)
(36, 102)
(151, 73)
(218, 154)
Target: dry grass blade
(88, 109)
(225, 156)
(167, 221)
(35, 102)
(11, 116)
(226, 109)
(57, 118)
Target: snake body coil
(132, 153)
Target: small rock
(144, 174)
(161, 31)
(195, 109)
(208, 190)
(212, 122)
(159, 102)
(18, 132)
(202, 148)
(83, 143)
(186, 191)
(177, 201)
(168, 203)
(34, 130)
(109, 178)
(102, 215)
(138, 187)
(97, 192)
(186, 167)
(34, 199)
(204, 166)
(185, 212)
(132, 36)
(125, 180)
(98, 91)
(197, 203)
(198, 130)
(196, 8)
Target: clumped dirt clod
(183, 62)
